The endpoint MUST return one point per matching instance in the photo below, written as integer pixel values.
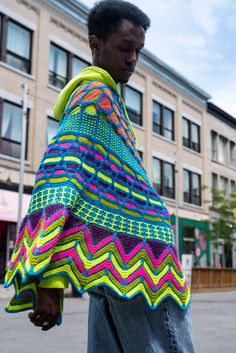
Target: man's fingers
(38, 319)
(50, 323)
(33, 316)
(41, 319)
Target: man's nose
(132, 58)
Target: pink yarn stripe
(65, 145)
(32, 232)
(39, 175)
(106, 265)
(74, 230)
(175, 260)
(98, 156)
(169, 277)
(20, 235)
(157, 263)
(127, 257)
(22, 252)
(141, 272)
(54, 218)
(60, 171)
(49, 245)
(71, 253)
(94, 248)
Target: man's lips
(129, 70)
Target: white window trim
(192, 169)
(163, 102)
(163, 157)
(18, 18)
(11, 68)
(14, 99)
(136, 86)
(192, 119)
(70, 48)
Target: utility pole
(22, 155)
(176, 204)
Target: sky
(198, 39)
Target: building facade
(221, 150)
(44, 44)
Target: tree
(222, 219)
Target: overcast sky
(198, 39)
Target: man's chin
(123, 80)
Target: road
(213, 315)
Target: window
(191, 135)
(188, 240)
(156, 117)
(192, 188)
(133, 102)
(157, 175)
(63, 66)
(10, 129)
(52, 129)
(162, 120)
(232, 186)
(16, 44)
(214, 145)
(222, 150)
(214, 187)
(232, 153)
(77, 66)
(163, 178)
(58, 67)
(214, 181)
(224, 185)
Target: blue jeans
(117, 325)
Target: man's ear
(95, 44)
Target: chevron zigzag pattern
(90, 255)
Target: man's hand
(47, 308)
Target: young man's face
(118, 53)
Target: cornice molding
(164, 89)
(29, 6)
(187, 104)
(59, 23)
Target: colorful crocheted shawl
(94, 217)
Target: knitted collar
(90, 73)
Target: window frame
(53, 119)
(3, 43)
(214, 149)
(189, 142)
(162, 191)
(232, 150)
(2, 101)
(162, 126)
(69, 61)
(191, 193)
(130, 110)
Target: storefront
(193, 240)
(8, 223)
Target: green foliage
(223, 224)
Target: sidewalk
(6, 293)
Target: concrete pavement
(213, 314)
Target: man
(94, 218)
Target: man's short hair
(106, 15)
